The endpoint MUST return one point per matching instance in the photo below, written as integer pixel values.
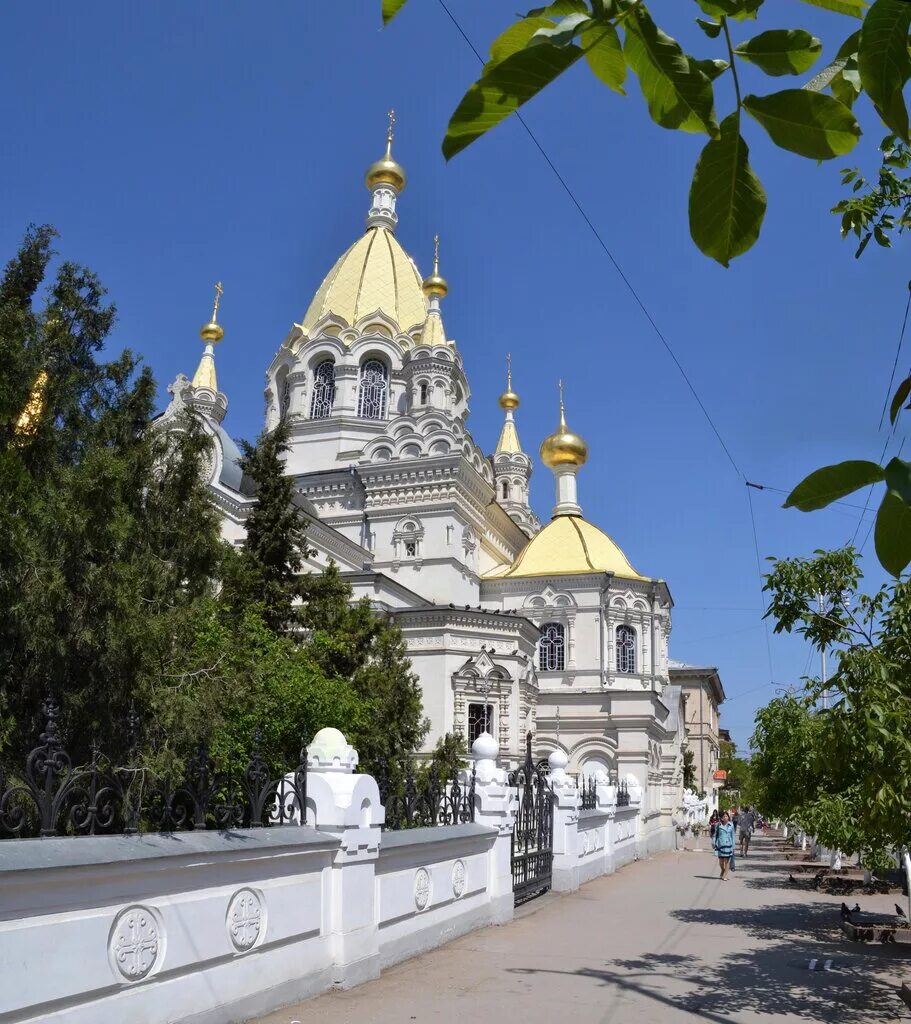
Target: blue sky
(179, 143)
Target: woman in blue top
(724, 844)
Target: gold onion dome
(213, 331)
(509, 399)
(563, 447)
(435, 286)
(386, 171)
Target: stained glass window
(626, 649)
(552, 647)
(323, 390)
(371, 403)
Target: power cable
(648, 316)
(901, 338)
(768, 639)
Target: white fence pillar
(566, 825)
(348, 807)
(493, 807)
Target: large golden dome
(374, 274)
(567, 546)
(563, 447)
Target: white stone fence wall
(217, 927)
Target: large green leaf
(833, 482)
(853, 8)
(727, 200)
(391, 8)
(737, 9)
(565, 30)
(883, 60)
(514, 38)
(678, 94)
(605, 55)
(781, 51)
(892, 534)
(899, 399)
(559, 9)
(812, 124)
(898, 478)
(502, 89)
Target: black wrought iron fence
(588, 793)
(423, 796)
(52, 797)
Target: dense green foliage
(116, 590)
(836, 757)
(609, 37)
(738, 785)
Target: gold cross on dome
(391, 130)
(508, 371)
(219, 291)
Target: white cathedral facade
(511, 627)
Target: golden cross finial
(562, 411)
(436, 254)
(390, 131)
(508, 372)
(218, 294)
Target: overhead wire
(645, 312)
(604, 246)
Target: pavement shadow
(773, 980)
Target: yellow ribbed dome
(374, 274)
(568, 545)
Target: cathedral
(511, 626)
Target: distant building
(703, 694)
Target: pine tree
(268, 569)
(106, 535)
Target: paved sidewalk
(660, 942)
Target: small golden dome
(509, 400)
(212, 332)
(435, 286)
(563, 447)
(386, 171)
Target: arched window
(552, 647)
(423, 394)
(323, 390)
(505, 489)
(626, 649)
(371, 400)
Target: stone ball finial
(485, 747)
(331, 752)
(557, 760)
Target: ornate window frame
(552, 647)
(322, 396)
(408, 542)
(373, 389)
(625, 644)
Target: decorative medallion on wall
(246, 919)
(136, 942)
(421, 888)
(458, 878)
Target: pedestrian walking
(723, 844)
(713, 824)
(747, 824)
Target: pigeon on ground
(845, 911)
(855, 909)
(792, 880)
(899, 911)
